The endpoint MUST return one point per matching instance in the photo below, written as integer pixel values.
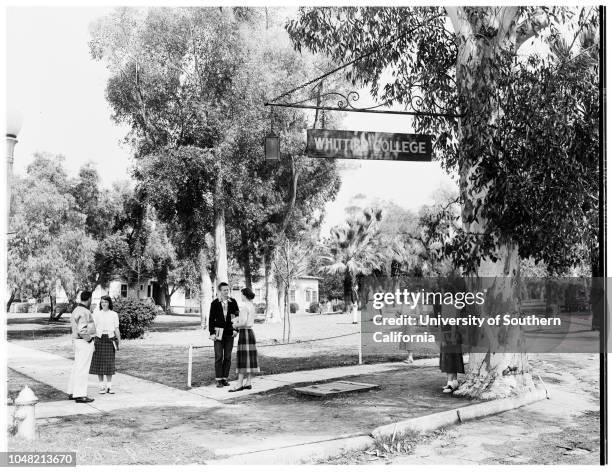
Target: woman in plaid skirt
(106, 343)
(246, 354)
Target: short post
(189, 365)
(360, 343)
(24, 415)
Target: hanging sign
(345, 144)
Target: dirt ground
(127, 437)
(561, 430)
(564, 429)
(274, 419)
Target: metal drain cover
(334, 388)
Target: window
(124, 290)
(142, 287)
(315, 296)
(187, 293)
(292, 295)
(307, 295)
(149, 290)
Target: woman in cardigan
(246, 354)
(106, 343)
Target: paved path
(54, 370)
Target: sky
(60, 92)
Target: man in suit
(222, 310)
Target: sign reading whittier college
(368, 145)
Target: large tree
(48, 243)
(527, 165)
(191, 83)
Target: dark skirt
(451, 359)
(103, 360)
(246, 354)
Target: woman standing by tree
(106, 343)
(246, 355)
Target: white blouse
(106, 322)
(246, 316)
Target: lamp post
(13, 126)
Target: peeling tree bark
(221, 273)
(498, 372)
(206, 294)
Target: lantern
(272, 147)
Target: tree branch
(460, 24)
(530, 27)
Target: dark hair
(222, 284)
(110, 302)
(85, 296)
(248, 293)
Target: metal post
(360, 343)
(189, 364)
(11, 141)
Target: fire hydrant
(24, 417)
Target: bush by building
(293, 307)
(314, 307)
(339, 307)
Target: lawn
(167, 364)
(161, 356)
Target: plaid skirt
(246, 353)
(103, 360)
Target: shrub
(135, 317)
(314, 307)
(260, 308)
(21, 307)
(43, 307)
(62, 306)
(293, 307)
(339, 307)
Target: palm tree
(354, 249)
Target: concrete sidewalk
(54, 370)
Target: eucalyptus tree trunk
(206, 293)
(501, 368)
(11, 299)
(221, 273)
(246, 259)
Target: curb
(456, 416)
(328, 448)
(298, 453)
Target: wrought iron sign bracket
(346, 102)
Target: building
(303, 292)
